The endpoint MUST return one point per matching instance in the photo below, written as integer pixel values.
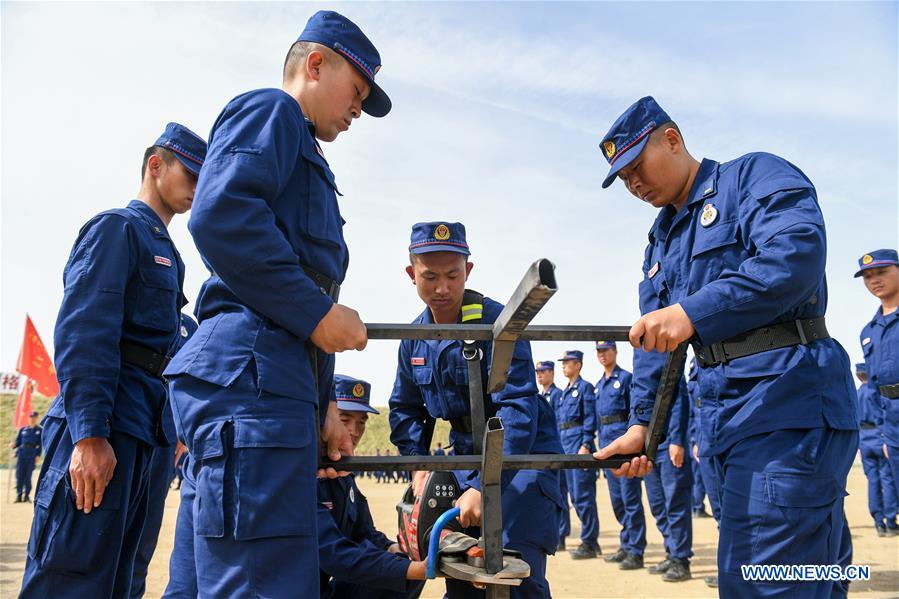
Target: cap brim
(352, 406)
(624, 159)
(188, 164)
(875, 264)
(377, 104)
(427, 249)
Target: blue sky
(498, 112)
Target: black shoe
(632, 561)
(616, 557)
(881, 530)
(18, 499)
(701, 514)
(711, 581)
(661, 567)
(561, 546)
(678, 571)
(584, 552)
(893, 531)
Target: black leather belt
(613, 418)
(890, 391)
(756, 341)
(866, 425)
(29, 446)
(570, 424)
(461, 425)
(327, 285)
(143, 356)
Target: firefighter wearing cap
(358, 561)
(432, 382)
(161, 473)
(612, 404)
(546, 371)
(246, 387)
(880, 344)
(735, 263)
(28, 450)
(118, 319)
(576, 419)
(882, 496)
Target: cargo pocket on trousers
(209, 455)
(275, 471)
(42, 525)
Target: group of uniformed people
(734, 264)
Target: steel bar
(669, 382)
(484, 332)
(546, 461)
(534, 290)
(473, 356)
(491, 503)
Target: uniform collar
(880, 319)
(150, 217)
(549, 389)
(705, 186)
(575, 384)
(614, 374)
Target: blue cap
(352, 394)
(438, 237)
(34, 414)
(860, 368)
(877, 259)
(545, 365)
(188, 147)
(606, 345)
(572, 354)
(335, 31)
(628, 135)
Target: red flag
(23, 406)
(35, 363)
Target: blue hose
(434, 542)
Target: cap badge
(441, 233)
(358, 390)
(609, 147)
(709, 215)
(867, 259)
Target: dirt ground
(569, 579)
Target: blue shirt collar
(150, 217)
(705, 185)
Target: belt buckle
(719, 356)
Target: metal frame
(513, 323)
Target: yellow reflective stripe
(472, 312)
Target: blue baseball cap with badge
(335, 31)
(629, 134)
(572, 354)
(877, 259)
(545, 365)
(606, 345)
(438, 236)
(353, 395)
(188, 147)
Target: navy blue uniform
(552, 395)
(882, 496)
(161, 474)
(576, 418)
(355, 563)
(781, 424)
(123, 283)
(705, 479)
(613, 406)
(669, 489)
(243, 389)
(28, 449)
(880, 344)
(432, 381)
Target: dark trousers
(669, 492)
(162, 471)
(24, 468)
(73, 554)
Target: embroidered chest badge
(183, 331)
(417, 361)
(574, 393)
(617, 385)
(654, 270)
(352, 496)
(709, 215)
(162, 260)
